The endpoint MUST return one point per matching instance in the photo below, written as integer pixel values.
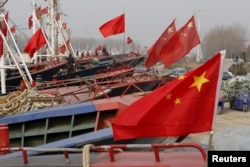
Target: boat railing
(92, 90)
(59, 83)
(125, 77)
(110, 149)
(113, 70)
(97, 87)
(95, 91)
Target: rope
(86, 155)
(19, 101)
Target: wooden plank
(46, 99)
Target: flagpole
(70, 48)
(124, 34)
(199, 29)
(28, 84)
(210, 140)
(124, 52)
(19, 52)
(3, 3)
(33, 23)
(43, 34)
(2, 70)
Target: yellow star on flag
(170, 30)
(199, 81)
(177, 101)
(168, 96)
(190, 24)
(181, 77)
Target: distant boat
(47, 70)
(89, 69)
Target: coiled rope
(18, 102)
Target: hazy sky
(145, 19)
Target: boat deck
(118, 155)
(177, 159)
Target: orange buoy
(22, 85)
(33, 84)
(4, 138)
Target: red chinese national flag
(58, 16)
(154, 51)
(129, 40)
(113, 27)
(63, 48)
(183, 106)
(13, 29)
(64, 26)
(45, 10)
(35, 42)
(3, 24)
(30, 22)
(181, 43)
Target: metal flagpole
(19, 52)
(199, 29)
(28, 84)
(124, 34)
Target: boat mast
(53, 29)
(3, 3)
(3, 83)
(57, 29)
(2, 61)
(18, 66)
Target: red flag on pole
(35, 42)
(58, 16)
(62, 48)
(3, 28)
(181, 43)
(45, 10)
(13, 29)
(3, 24)
(64, 25)
(113, 27)
(154, 51)
(183, 106)
(129, 40)
(38, 13)
(30, 22)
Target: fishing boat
(47, 137)
(53, 63)
(39, 127)
(107, 83)
(72, 111)
(45, 70)
(90, 69)
(48, 70)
